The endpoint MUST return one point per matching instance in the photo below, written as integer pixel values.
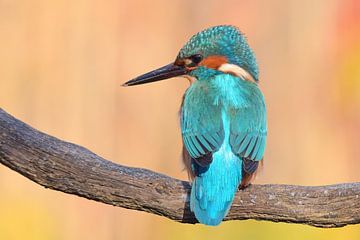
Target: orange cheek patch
(214, 61)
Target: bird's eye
(196, 58)
(193, 60)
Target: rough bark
(70, 168)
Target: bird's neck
(227, 90)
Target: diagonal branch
(73, 169)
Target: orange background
(61, 66)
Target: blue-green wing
(248, 127)
(201, 124)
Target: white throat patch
(237, 71)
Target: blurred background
(61, 66)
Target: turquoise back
(226, 118)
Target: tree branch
(73, 169)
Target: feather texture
(215, 185)
(223, 124)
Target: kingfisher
(222, 115)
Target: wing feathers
(261, 150)
(197, 145)
(244, 144)
(249, 127)
(204, 143)
(256, 148)
(250, 147)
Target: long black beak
(168, 71)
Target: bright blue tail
(214, 188)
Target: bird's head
(216, 50)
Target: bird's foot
(243, 187)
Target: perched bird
(223, 117)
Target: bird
(223, 117)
